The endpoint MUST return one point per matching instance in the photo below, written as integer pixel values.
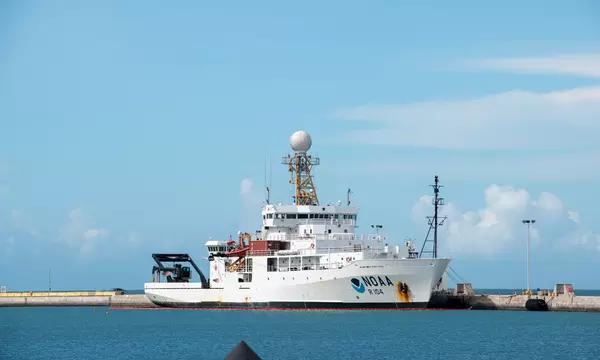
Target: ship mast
(437, 201)
(434, 221)
(300, 165)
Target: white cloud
(497, 229)
(91, 234)
(517, 119)
(585, 65)
(589, 239)
(503, 167)
(574, 216)
(16, 230)
(491, 229)
(80, 232)
(246, 186)
(251, 203)
(550, 202)
(421, 208)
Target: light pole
(528, 222)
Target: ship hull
(366, 284)
(295, 306)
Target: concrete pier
(108, 299)
(131, 301)
(514, 302)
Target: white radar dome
(300, 141)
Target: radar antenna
(300, 165)
(434, 221)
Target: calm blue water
(99, 333)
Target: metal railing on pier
(59, 293)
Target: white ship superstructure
(306, 256)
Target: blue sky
(128, 128)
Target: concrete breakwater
(75, 299)
(564, 302)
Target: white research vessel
(306, 256)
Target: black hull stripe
(293, 306)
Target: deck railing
(317, 252)
(332, 236)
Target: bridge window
(290, 216)
(269, 216)
(302, 216)
(271, 264)
(295, 263)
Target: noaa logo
(357, 285)
(373, 285)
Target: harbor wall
(55, 301)
(565, 302)
(131, 301)
(69, 299)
